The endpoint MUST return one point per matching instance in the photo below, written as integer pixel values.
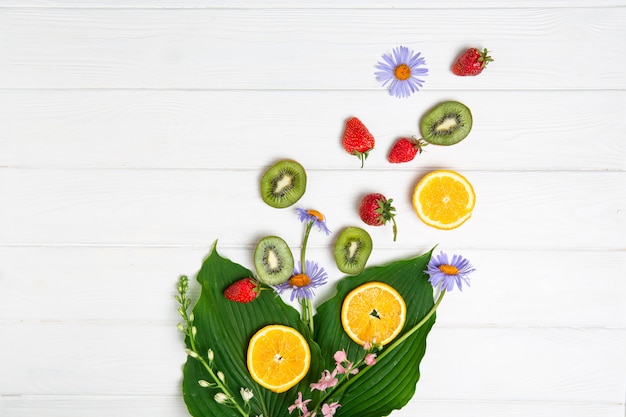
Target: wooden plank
(514, 210)
(524, 130)
(510, 288)
(173, 406)
(305, 4)
(211, 49)
(113, 358)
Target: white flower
(221, 398)
(246, 394)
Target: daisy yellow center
(449, 269)
(402, 72)
(319, 216)
(300, 280)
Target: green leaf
(390, 383)
(226, 328)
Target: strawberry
(471, 62)
(243, 291)
(405, 149)
(357, 140)
(376, 210)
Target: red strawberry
(243, 291)
(471, 62)
(376, 210)
(357, 140)
(405, 149)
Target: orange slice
(278, 357)
(373, 312)
(444, 199)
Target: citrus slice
(373, 312)
(444, 199)
(278, 357)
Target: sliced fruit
(373, 312)
(447, 123)
(273, 260)
(278, 357)
(283, 184)
(444, 199)
(352, 249)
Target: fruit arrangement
(252, 353)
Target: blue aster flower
(313, 216)
(401, 70)
(445, 273)
(302, 285)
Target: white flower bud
(210, 355)
(191, 316)
(194, 331)
(180, 327)
(192, 353)
(221, 376)
(220, 398)
(203, 383)
(246, 394)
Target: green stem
(395, 344)
(307, 231)
(307, 307)
(192, 341)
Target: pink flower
(340, 356)
(347, 369)
(328, 380)
(300, 405)
(367, 346)
(370, 359)
(330, 409)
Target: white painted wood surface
(133, 134)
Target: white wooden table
(133, 134)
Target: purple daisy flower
(302, 285)
(314, 216)
(401, 70)
(445, 273)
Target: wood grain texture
(138, 283)
(304, 49)
(133, 135)
(163, 207)
(116, 358)
(194, 129)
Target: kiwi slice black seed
(273, 260)
(283, 183)
(446, 124)
(352, 249)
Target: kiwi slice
(283, 184)
(352, 248)
(273, 260)
(446, 124)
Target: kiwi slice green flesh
(283, 184)
(447, 123)
(273, 260)
(352, 249)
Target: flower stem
(340, 388)
(189, 330)
(305, 239)
(307, 306)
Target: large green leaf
(226, 328)
(390, 383)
